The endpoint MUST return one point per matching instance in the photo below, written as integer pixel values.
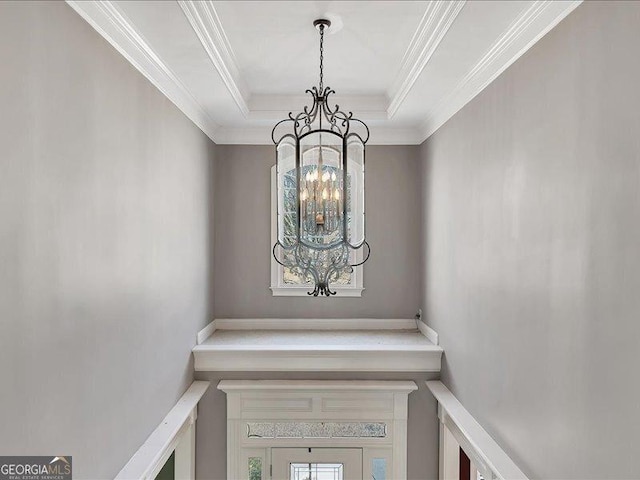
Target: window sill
(304, 291)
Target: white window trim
(278, 287)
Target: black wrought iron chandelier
(320, 175)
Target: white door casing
(266, 414)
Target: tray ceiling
(404, 67)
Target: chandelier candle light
(320, 177)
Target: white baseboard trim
(428, 332)
(206, 332)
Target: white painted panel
(376, 402)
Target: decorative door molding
(263, 414)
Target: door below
(316, 463)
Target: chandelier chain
(321, 57)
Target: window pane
(321, 156)
(260, 430)
(379, 469)
(355, 173)
(286, 181)
(288, 224)
(316, 430)
(255, 468)
(302, 430)
(362, 429)
(374, 430)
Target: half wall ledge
(322, 345)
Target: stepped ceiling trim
(383, 111)
(511, 45)
(113, 25)
(433, 27)
(204, 20)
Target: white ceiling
(405, 67)
(276, 47)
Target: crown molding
(204, 20)
(534, 22)
(435, 23)
(115, 27)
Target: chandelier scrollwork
(320, 173)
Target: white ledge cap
(291, 385)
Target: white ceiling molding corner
(534, 22)
(204, 20)
(434, 25)
(114, 26)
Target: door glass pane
(317, 471)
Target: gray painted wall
(422, 435)
(242, 276)
(243, 238)
(532, 260)
(105, 234)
